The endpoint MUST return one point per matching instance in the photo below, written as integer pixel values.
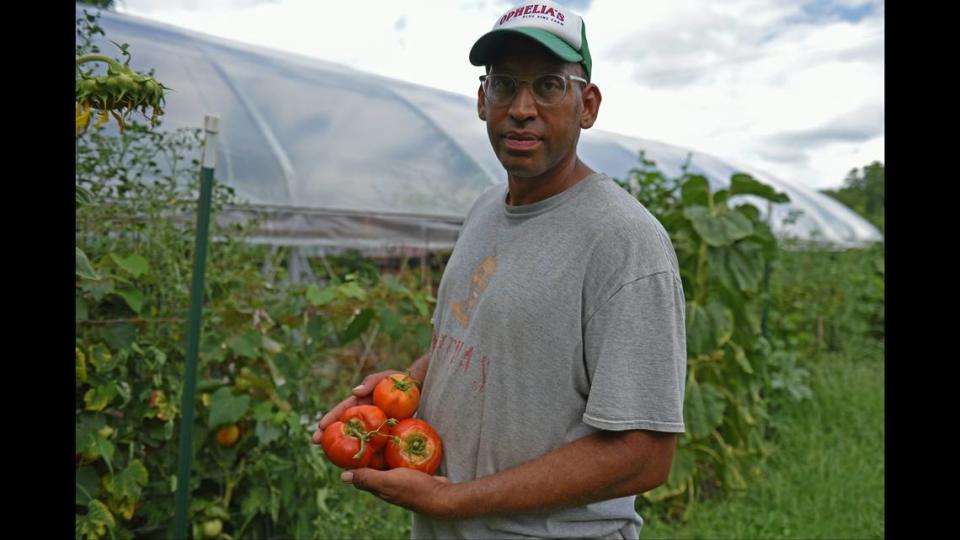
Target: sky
(794, 88)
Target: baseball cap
(555, 27)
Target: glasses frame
(566, 77)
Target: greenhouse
(330, 157)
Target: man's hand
(409, 488)
(361, 395)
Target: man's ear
(591, 106)
(481, 104)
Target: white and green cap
(555, 27)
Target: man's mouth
(520, 140)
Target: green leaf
(695, 192)
(278, 378)
(96, 522)
(708, 327)
(750, 211)
(135, 265)
(98, 288)
(88, 485)
(81, 366)
(740, 357)
(316, 327)
(393, 284)
(87, 427)
(105, 449)
(318, 296)
(246, 345)
(390, 323)
(352, 290)
(699, 333)
(358, 325)
(97, 398)
(420, 304)
(134, 298)
(101, 358)
(82, 312)
(423, 333)
(256, 501)
(225, 408)
(84, 269)
(722, 318)
(84, 196)
(739, 267)
(720, 197)
(732, 478)
(267, 433)
(271, 346)
(119, 336)
(704, 407)
(744, 184)
(264, 411)
(721, 228)
(128, 483)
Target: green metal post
(211, 127)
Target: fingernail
(347, 477)
(358, 387)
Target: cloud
(837, 10)
(148, 6)
(577, 5)
(693, 43)
(856, 126)
(750, 80)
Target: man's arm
(604, 465)
(418, 369)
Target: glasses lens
(549, 89)
(500, 88)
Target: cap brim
(488, 43)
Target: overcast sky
(791, 87)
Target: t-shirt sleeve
(635, 349)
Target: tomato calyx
(405, 383)
(414, 444)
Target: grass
(826, 478)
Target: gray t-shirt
(553, 320)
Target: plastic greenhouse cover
(331, 158)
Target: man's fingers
(364, 478)
(370, 382)
(335, 413)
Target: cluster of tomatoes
(384, 435)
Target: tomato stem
(363, 446)
(389, 422)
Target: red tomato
(368, 419)
(344, 446)
(228, 435)
(377, 461)
(415, 445)
(397, 394)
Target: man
(557, 370)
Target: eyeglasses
(547, 89)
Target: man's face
(530, 139)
